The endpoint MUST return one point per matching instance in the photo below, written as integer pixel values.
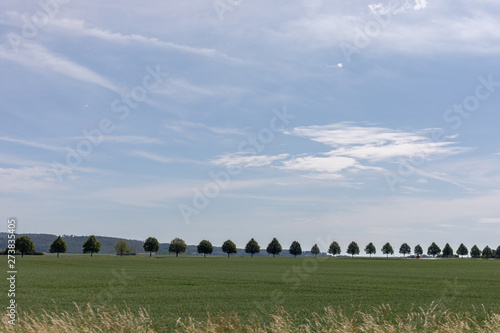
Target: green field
(172, 287)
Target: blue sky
(311, 121)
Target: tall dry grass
(432, 319)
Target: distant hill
(43, 241)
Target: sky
(313, 120)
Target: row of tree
(92, 245)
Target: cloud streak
(41, 59)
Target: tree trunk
(150, 254)
(228, 255)
(251, 255)
(273, 255)
(58, 254)
(176, 254)
(91, 254)
(204, 255)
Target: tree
(462, 250)
(274, 247)
(433, 250)
(252, 247)
(91, 245)
(229, 247)
(370, 249)
(353, 249)
(334, 248)
(387, 249)
(58, 246)
(497, 252)
(315, 250)
(405, 249)
(122, 247)
(295, 249)
(418, 250)
(24, 245)
(177, 245)
(205, 247)
(487, 253)
(151, 245)
(447, 251)
(475, 252)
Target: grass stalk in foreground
(96, 319)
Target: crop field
(170, 288)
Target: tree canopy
(58, 246)
(475, 252)
(122, 247)
(151, 245)
(418, 250)
(24, 245)
(205, 247)
(252, 247)
(487, 253)
(462, 250)
(91, 245)
(229, 247)
(334, 248)
(274, 247)
(370, 249)
(447, 251)
(295, 249)
(405, 249)
(387, 249)
(177, 246)
(353, 249)
(433, 250)
(315, 250)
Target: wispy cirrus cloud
(247, 160)
(132, 139)
(352, 149)
(162, 158)
(79, 27)
(41, 59)
(489, 220)
(182, 126)
(32, 144)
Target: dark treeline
(24, 245)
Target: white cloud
(331, 164)
(128, 139)
(78, 26)
(161, 159)
(182, 89)
(244, 160)
(132, 139)
(489, 220)
(41, 59)
(180, 126)
(420, 4)
(357, 148)
(27, 179)
(32, 144)
(376, 143)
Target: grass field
(170, 287)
